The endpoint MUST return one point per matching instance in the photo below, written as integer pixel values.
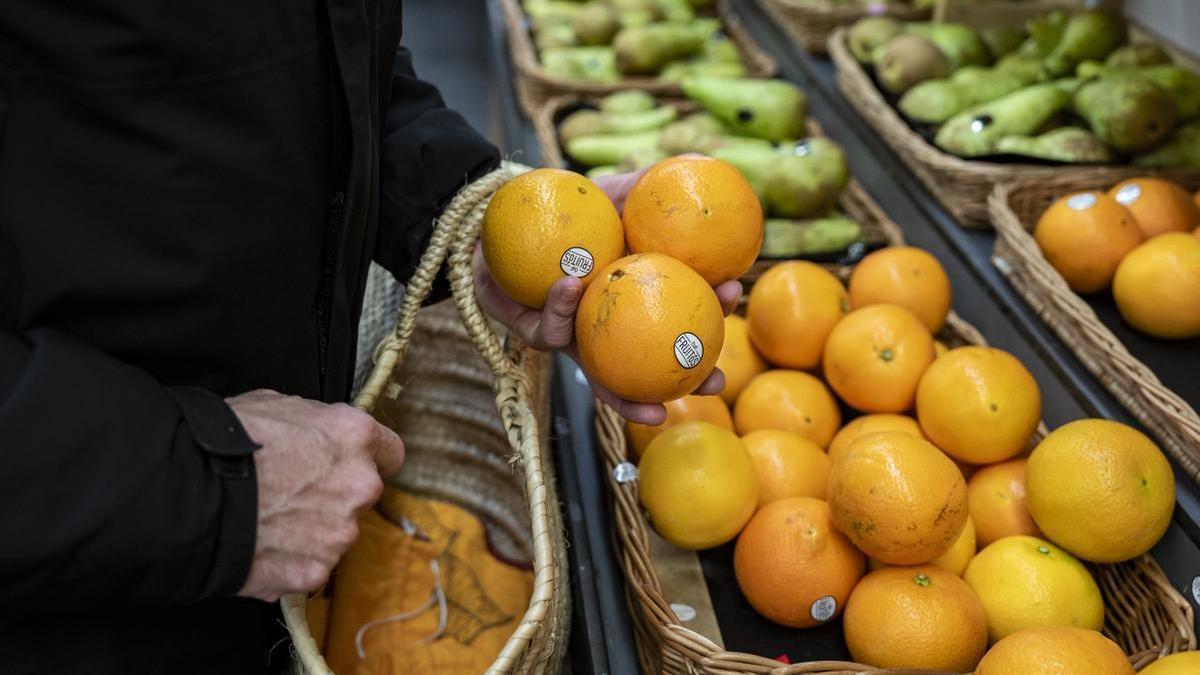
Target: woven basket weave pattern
(810, 22)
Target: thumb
(557, 327)
(389, 452)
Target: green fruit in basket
(959, 43)
(593, 123)
(634, 17)
(627, 101)
(975, 131)
(1092, 34)
(555, 35)
(935, 101)
(595, 24)
(678, 71)
(592, 64)
(1067, 144)
(720, 49)
(1028, 67)
(869, 33)
(1045, 32)
(1129, 113)
(908, 60)
(1181, 84)
(601, 171)
(800, 180)
(610, 149)
(642, 158)
(1181, 149)
(646, 49)
(680, 137)
(676, 10)
(786, 238)
(1138, 54)
(1001, 40)
(773, 110)
(550, 9)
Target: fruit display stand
(535, 86)
(1167, 408)
(810, 22)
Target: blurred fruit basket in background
(646, 52)
(1015, 210)
(810, 22)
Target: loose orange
(939, 348)
(699, 210)
(738, 360)
(1157, 287)
(545, 224)
(875, 357)
(1084, 236)
(869, 424)
(898, 498)
(786, 465)
(1181, 663)
(789, 400)
(792, 308)
(961, 551)
(1059, 650)
(687, 409)
(905, 276)
(915, 617)
(996, 498)
(793, 565)
(1158, 205)
(649, 328)
(979, 404)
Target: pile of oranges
(1140, 238)
(932, 521)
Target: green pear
(720, 49)
(676, 10)
(1045, 32)
(678, 71)
(1182, 84)
(627, 101)
(870, 32)
(681, 137)
(958, 42)
(641, 158)
(936, 101)
(1138, 54)
(632, 18)
(596, 23)
(601, 171)
(592, 122)
(1027, 67)
(975, 131)
(774, 110)
(1092, 34)
(788, 238)
(1066, 144)
(1181, 149)
(907, 60)
(555, 35)
(646, 49)
(595, 64)
(551, 9)
(610, 149)
(808, 179)
(1129, 113)
(1001, 40)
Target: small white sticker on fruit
(1129, 194)
(1081, 202)
(823, 608)
(577, 262)
(688, 350)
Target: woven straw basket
(961, 185)
(1145, 615)
(534, 86)
(810, 22)
(459, 449)
(1015, 210)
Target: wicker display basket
(459, 450)
(1015, 209)
(961, 185)
(810, 22)
(534, 86)
(877, 229)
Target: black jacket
(190, 194)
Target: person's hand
(553, 328)
(318, 468)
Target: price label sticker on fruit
(823, 608)
(689, 350)
(1082, 201)
(1129, 194)
(577, 262)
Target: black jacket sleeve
(115, 489)
(429, 153)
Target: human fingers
(729, 293)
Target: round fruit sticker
(688, 350)
(1129, 194)
(577, 262)
(1082, 201)
(823, 608)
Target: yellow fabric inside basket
(388, 572)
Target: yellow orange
(1026, 582)
(792, 308)
(1157, 204)
(649, 329)
(939, 348)
(1090, 467)
(905, 276)
(996, 498)
(1084, 235)
(1056, 651)
(915, 617)
(959, 556)
(793, 565)
(697, 482)
(869, 424)
(898, 498)
(698, 210)
(545, 224)
(875, 356)
(738, 360)
(1183, 663)
(786, 465)
(1157, 286)
(687, 409)
(789, 400)
(978, 404)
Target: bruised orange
(698, 210)
(869, 424)
(1084, 236)
(649, 328)
(875, 356)
(905, 276)
(687, 409)
(739, 360)
(1158, 205)
(789, 400)
(792, 308)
